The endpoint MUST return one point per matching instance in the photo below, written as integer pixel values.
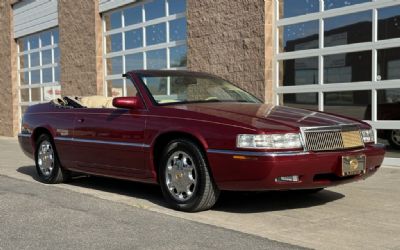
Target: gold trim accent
(351, 139)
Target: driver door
(110, 141)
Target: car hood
(267, 116)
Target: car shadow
(138, 190)
(229, 201)
(268, 201)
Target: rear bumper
(238, 170)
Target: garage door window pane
(156, 34)
(48, 93)
(177, 29)
(116, 87)
(35, 59)
(114, 21)
(33, 42)
(114, 43)
(114, 65)
(35, 77)
(332, 4)
(301, 71)
(47, 75)
(391, 139)
(46, 57)
(45, 38)
(299, 36)
(134, 39)
(24, 78)
(291, 8)
(348, 67)
(300, 100)
(155, 9)
(389, 64)
(134, 61)
(355, 104)
(55, 36)
(57, 74)
(389, 104)
(56, 55)
(24, 61)
(176, 6)
(24, 95)
(157, 59)
(36, 94)
(178, 56)
(348, 29)
(389, 23)
(133, 15)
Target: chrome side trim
(249, 153)
(24, 135)
(129, 144)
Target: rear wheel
(48, 166)
(185, 179)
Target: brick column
(80, 47)
(9, 95)
(269, 50)
(228, 38)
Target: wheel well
(163, 140)
(38, 132)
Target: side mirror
(132, 102)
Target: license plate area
(353, 165)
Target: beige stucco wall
(9, 117)
(230, 39)
(80, 47)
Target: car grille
(332, 138)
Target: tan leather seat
(97, 102)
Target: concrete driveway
(362, 215)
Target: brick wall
(9, 116)
(228, 38)
(81, 47)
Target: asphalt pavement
(34, 216)
(104, 213)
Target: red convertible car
(195, 134)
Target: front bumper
(240, 170)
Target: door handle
(81, 120)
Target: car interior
(83, 102)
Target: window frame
(53, 66)
(374, 45)
(167, 45)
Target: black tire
(394, 142)
(57, 174)
(205, 192)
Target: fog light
(291, 178)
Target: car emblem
(354, 164)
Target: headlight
(368, 135)
(269, 141)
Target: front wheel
(184, 177)
(394, 138)
(48, 166)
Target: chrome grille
(332, 138)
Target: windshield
(191, 89)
